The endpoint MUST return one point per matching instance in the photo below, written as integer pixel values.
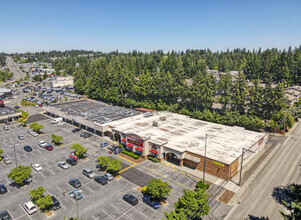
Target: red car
(40, 105)
(49, 147)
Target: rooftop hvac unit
(163, 118)
(155, 123)
(149, 114)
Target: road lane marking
(127, 168)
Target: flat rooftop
(95, 111)
(181, 133)
(7, 112)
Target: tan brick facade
(212, 167)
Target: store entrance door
(171, 157)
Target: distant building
(5, 93)
(59, 81)
(292, 94)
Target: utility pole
(241, 163)
(242, 159)
(205, 159)
(15, 156)
(77, 206)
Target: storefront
(154, 150)
(135, 144)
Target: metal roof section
(94, 111)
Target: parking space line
(42, 174)
(89, 188)
(7, 180)
(124, 213)
(25, 212)
(133, 207)
(107, 214)
(50, 171)
(10, 214)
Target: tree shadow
(280, 193)
(252, 217)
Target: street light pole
(205, 159)
(15, 156)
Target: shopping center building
(167, 136)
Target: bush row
(153, 159)
(131, 154)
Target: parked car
(5, 128)
(104, 143)
(37, 167)
(151, 202)
(112, 148)
(101, 180)
(30, 208)
(27, 148)
(63, 165)
(28, 180)
(118, 150)
(55, 203)
(35, 134)
(130, 199)
(71, 161)
(76, 194)
(85, 134)
(7, 161)
(49, 147)
(21, 137)
(89, 173)
(42, 143)
(60, 123)
(4, 215)
(75, 183)
(17, 107)
(76, 130)
(2, 189)
(56, 120)
(108, 176)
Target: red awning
(123, 140)
(153, 151)
(138, 149)
(130, 145)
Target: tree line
(180, 81)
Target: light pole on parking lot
(15, 155)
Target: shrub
(131, 154)
(153, 159)
(201, 185)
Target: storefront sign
(218, 163)
(135, 141)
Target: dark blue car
(151, 202)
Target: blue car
(151, 202)
(103, 144)
(76, 194)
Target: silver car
(7, 161)
(21, 137)
(63, 165)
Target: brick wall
(211, 168)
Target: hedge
(201, 185)
(131, 154)
(153, 159)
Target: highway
(18, 74)
(282, 169)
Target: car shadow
(252, 217)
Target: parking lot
(99, 201)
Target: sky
(126, 25)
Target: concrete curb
(232, 210)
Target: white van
(56, 120)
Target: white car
(21, 137)
(61, 123)
(42, 143)
(63, 165)
(35, 134)
(7, 160)
(30, 208)
(37, 167)
(108, 176)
